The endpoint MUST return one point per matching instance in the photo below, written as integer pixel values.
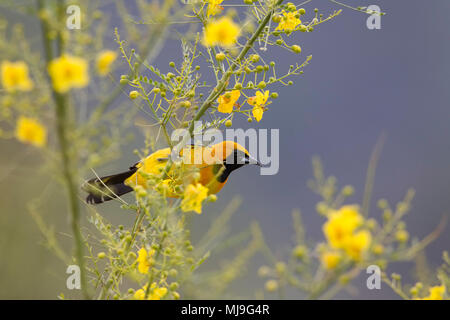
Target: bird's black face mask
(233, 162)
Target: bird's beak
(250, 160)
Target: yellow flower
(68, 72)
(289, 21)
(258, 102)
(104, 61)
(15, 76)
(227, 101)
(357, 244)
(214, 7)
(155, 293)
(144, 260)
(436, 293)
(29, 130)
(193, 198)
(330, 259)
(223, 32)
(340, 226)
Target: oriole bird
(210, 166)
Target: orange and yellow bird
(210, 166)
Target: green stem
(68, 165)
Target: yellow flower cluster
(31, 131)
(343, 232)
(214, 7)
(289, 21)
(222, 32)
(68, 72)
(144, 260)
(155, 293)
(258, 102)
(15, 76)
(193, 198)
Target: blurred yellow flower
(144, 260)
(15, 76)
(68, 72)
(104, 61)
(288, 21)
(155, 293)
(29, 130)
(330, 259)
(214, 7)
(222, 32)
(227, 101)
(341, 224)
(436, 293)
(357, 244)
(193, 198)
(258, 102)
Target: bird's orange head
(232, 154)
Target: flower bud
(402, 236)
(271, 285)
(254, 58)
(277, 18)
(186, 104)
(173, 273)
(296, 48)
(396, 277)
(220, 56)
(280, 267)
(263, 271)
(262, 85)
(348, 190)
(300, 251)
(291, 7)
(134, 94)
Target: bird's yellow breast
(191, 162)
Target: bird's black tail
(107, 188)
